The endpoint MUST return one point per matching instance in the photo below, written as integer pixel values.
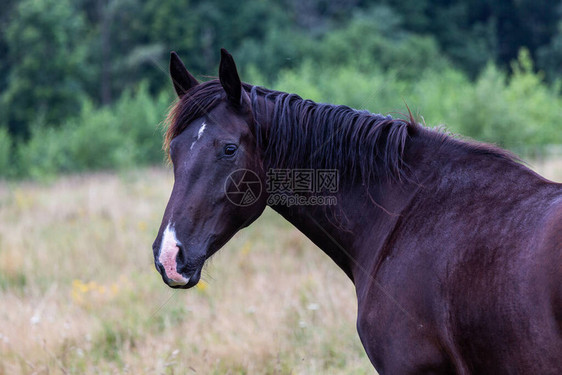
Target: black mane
(305, 134)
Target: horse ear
(229, 78)
(181, 78)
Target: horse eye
(229, 150)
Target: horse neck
(353, 231)
(363, 215)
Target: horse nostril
(181, 257)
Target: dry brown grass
(79, 293)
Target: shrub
(376, 37)
(138, 116)
(520, 112)
(122, 136)
(97, 142)
(43, 155)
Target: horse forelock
(196, 103)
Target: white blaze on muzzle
(168, 252)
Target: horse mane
(303, 134)
(310, 135)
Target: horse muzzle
(178, 280)
(170, 259)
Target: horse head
(217, 172)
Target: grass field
(79, 293)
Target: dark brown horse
(454, 247)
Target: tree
(47, 53)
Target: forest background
(84, 84)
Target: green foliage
(138, 117)
(520, 112)
(98, 142)
(43, 155)
(550, 56)
(371, 38)
(70, 71)
(122, 136)
(473, 32)
(376, 37)
(5, 153)
(280, 49)
(376, 90)
(47, 56)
